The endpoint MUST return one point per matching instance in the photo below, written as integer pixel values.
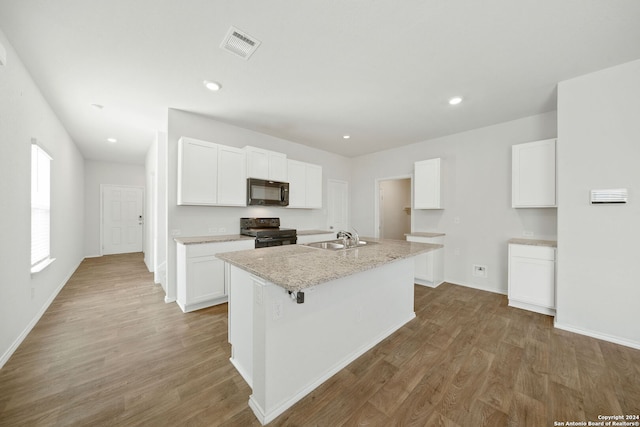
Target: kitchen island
(298, 315)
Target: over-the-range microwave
(262, 192)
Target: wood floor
(110, 352)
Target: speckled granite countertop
(312, 232)
(296, 267)
(424, 234)
(534, 242)
(211, 239)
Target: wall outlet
(456, 220)
(527, 233)
(213, 229)
(176, 232)
(480, 271)
(223, 229)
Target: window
(40, 208)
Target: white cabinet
(532, 278)
(266, 164)
(426, 185)
(197, 172)
(232, 176)
(429, 267)
(534, 174)
(201, 277)
(211, 174)
(310, 238)
(305, 185)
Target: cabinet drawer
(536, 252)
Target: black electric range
(267, 232)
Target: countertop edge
(533, 242)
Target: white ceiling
(379, 70)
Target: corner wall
(476, 191)
(25, 114)
(598, 281)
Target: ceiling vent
(240, 43)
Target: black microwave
(262, 192)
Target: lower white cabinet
(201, 277)
(429, 267)
(532, 278)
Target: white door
(337, 205)
(121, 219)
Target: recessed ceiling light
(213, 86)
(97, 106)
(112, 140)
(346, 136)
(455, 100)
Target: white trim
(267, 418)
(41, 265)
(14, 346)
(605, 337)
(494, 291)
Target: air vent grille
(618, 195)
(240, 43)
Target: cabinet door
(197, 172)
(257, 163)
(297, 183)
(205, 278)
(534, 174)
(278, 167)
(424, 267)
(232, 177)
(314, 186)
(426, 186)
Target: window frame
(40, 203)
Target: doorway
(121, 219)
(337, 205)
(394, 207)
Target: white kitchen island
(353, 299)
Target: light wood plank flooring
(110, 352)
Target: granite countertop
(534, 242)
(424, 234)
(312, 232)
(211, 239)
(296, 267)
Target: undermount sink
(335, 245)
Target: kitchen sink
(338, 244)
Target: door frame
(376, 200)
(347, 207)
(144, 213)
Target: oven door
(262, 192)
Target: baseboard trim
(598, 335)
(14, 346)
(494, 291)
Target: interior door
(122, 219)
(337, 205)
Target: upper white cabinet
(210, 174)
(265, 164)
(426, 186)
(534, 174)
(305, 185)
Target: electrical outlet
(527, 233)
(456, 220)
(213, 229)
(480, 270)
(176, 232)
(359, 314)
(223, 229)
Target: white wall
(598, 281)
(25, 114)
(196, 220)
(476, 189)
(156, 213)
(97, 173)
